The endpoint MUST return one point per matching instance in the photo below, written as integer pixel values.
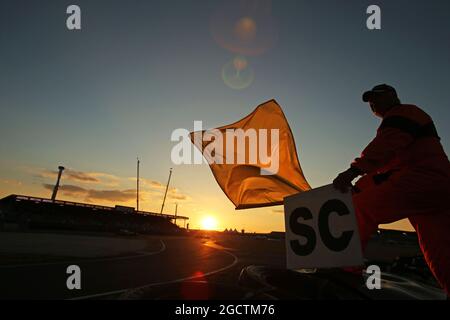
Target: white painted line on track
(98, 295)
(88, 260)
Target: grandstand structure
(40, 213)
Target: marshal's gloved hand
(343, 182)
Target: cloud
(156, 184)
(105, 187)
(111, 195)
(13, 182)
(47, 186)
(152, 184)
(278, 210)
(44, 173)
(178, 197)
(80, 176)
(106, 178)
(156, 188)
(68, 189)
(175, 194)
(92, 194)
(71, 175)
(152, 188)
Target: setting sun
(209, 223)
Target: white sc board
(321, 230)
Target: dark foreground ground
(152, 261)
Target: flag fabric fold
(259, 172)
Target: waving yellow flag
(254, 160)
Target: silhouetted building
(39, 213)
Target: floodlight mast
(137, 185)
(55, 189)
(165, 194)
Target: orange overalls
(407, 176)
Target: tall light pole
(55, 189)
(176, 210)
(165, 194)
(137, 186)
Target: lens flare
(240, 63)
(238, 74)
(244, 29)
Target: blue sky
(94, 99)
